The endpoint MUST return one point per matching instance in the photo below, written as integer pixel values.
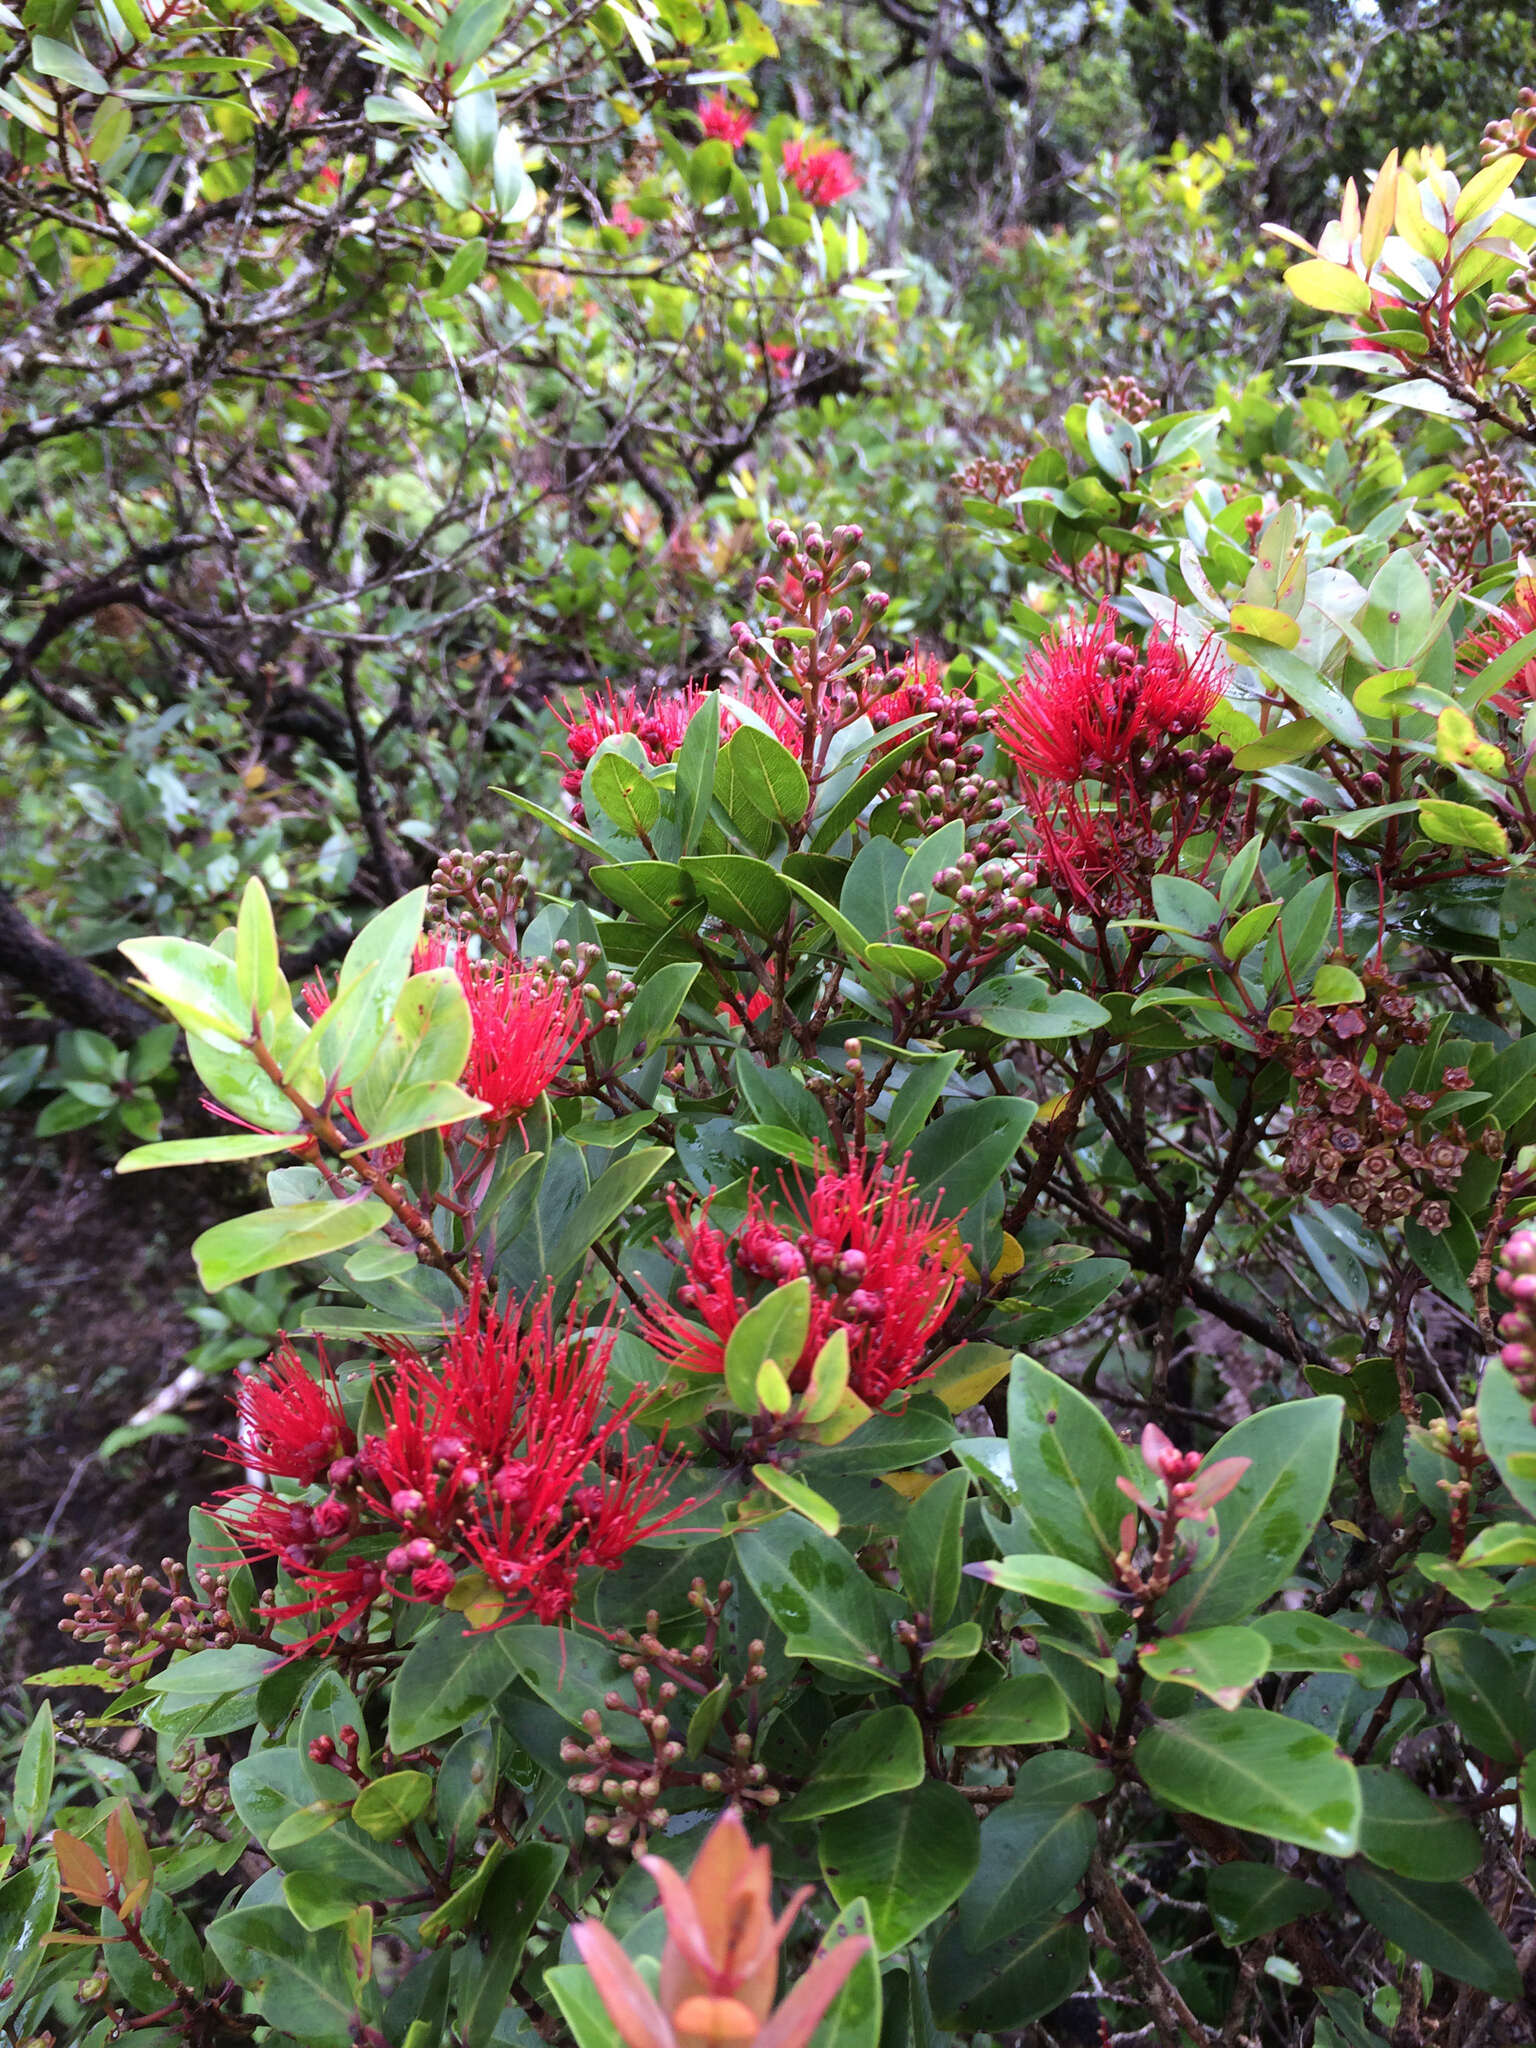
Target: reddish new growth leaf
(720, 1963)
(880, 1269)
(722, 120)
(500, 1455)
(658, 724)
(820, 172)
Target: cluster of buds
(1515, 135)
(204, 1781)
(991, 477)
(977, 911)
(340, 1752)
(633, 1780)
(1458, 1439)
(114, 1610)
(499, 1457)
(1353, 1140)
(1516, 1281)
(1489, 498)
(1123, 395)
(814, 635)
(720, 1964)
(479, 896)
(881, 1269)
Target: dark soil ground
(91, 1325)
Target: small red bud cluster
(114, 1610)
(632, 1779)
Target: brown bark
(69, 989)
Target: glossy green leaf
(1223, 1663)
(1025, 1709)
(247, 1245)
(1261, 1772)
(863, 1759)
(1404, 1830)
(1250, 1900)
(1032, 1852)
(909, 1856)
(817, 1595)
(1438, 1924)
(1066, 1462)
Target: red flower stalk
(1088, 704)
(527, 1021)
(880, 1268)
(496, 1456)
(1497, 634)
(722, 120)
(659, 725)
(820, 172)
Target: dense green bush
(922, 1262)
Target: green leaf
(209, 1674)
(514, 1899)
(1484, 1693)
(774, 776)
(930, 1547)
(853, 800)
(246, 1245)
(1223, 1663)
(1451, 824)
(775, 1328)
(258, 972)
(604, 1203)
(1310, 1642)
(961, 1155)
(863, 1759)
(60, 60)
(207, 1151)
(1066, 1462)
(1250, 1900)
(817, 1595)
(1267, 1520)
(468, 263)
(794, 1493)
(469, 32)
(1438, 1924)
(739, 890)
(1056, 1580)
(1010, 1985)
(653, 891)
(32, 1786)
(1261, 1772)
(29, 1900)
(852, 2020)
(623, 791)
(426, 1044)
(1025, 1709)
(1032, 1853)
(199, 987)
(1405, 1831)
(304, 1984)
(387, 1807)
(908, 1856)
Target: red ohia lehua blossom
(881, 1269)
(1088, 703)
(820, 172)
(527, 1021)
(1500, 631)
(658, 724)
(497, 1456)
(628, 221)
(722, 120)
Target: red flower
(1088, 703)
(624, 218)
(745, 1010)
(291, 1420)
(1498, 633)
(527, 1020)
(880, 1269)
(498, 1455)
(723, 121)
(820, 172)
(659, 725)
